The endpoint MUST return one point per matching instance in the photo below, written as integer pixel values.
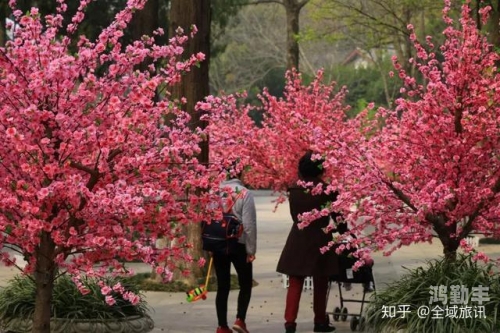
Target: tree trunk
(492, 25)
(450, 247)
(194, 87)
(292, 34)
(44, 282)
(450, 253)
(444, 232)
(143, 23)
(3, 16)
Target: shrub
(17, 300)
(414, 289)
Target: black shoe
(323, 328)
(290, 328)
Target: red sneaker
(240, 326)
(224, 330)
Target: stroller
(346, 275)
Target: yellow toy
(201, 291)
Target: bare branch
(302, 3)
(83, 168)
(113, 154)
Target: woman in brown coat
(301, 256)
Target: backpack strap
(234, 201)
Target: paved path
(173, 314)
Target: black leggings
(222, 264)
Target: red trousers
(296, 283)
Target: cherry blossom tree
(93, 169)
(291, 125)
(429, 168)
(433, 168)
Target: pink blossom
(118, 288)
(110, 300)
(99, 241)
(140, 211)
(106, 290)
(481, 256)
(134, 299)
(43, 192)
(11, 131)
(201, 262)
(85, 291)
(168, 276)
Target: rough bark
(44, 281)
(3, 16)
(445, 232)
(493, 25)
(292, 31)
(194, 87)
(143, 23)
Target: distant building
(359, 58)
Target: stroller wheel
(344, 314)
(336, 313)
(354, 323)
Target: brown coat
(301, 255)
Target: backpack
(221, 236)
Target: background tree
(254, 52)
(93, 170)
(365, 85)
(3, 16)
(378, 24)
(187, 14)
(376, 30)
(254, 37)
(492, 25)
(292, 10)
(146, 20)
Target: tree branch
(467, 228)
(401, 196)
(113, 154)
(302, 3)
(84, 168)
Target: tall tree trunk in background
(292, 33)
(194, 87)
(292, 9)
(143, 23)
(493, 24)
(3, 16)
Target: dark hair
(233, 171)
(309, 168)
(342, 228)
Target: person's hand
(250, 258)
